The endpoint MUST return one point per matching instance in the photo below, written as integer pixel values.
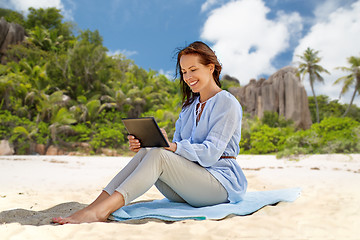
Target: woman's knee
(156, 153)
(157, 150)
(142, 151)
(157, 156)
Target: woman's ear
(211, 67)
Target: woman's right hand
(134, 143)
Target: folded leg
(191, 182)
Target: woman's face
(196, 75)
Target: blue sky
(252, 38)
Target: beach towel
(166, 210)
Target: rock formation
(6, 148)
(282, 93)
(230, 78)
(10, 33)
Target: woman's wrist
(172, 147)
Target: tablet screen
(146, 130)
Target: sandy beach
(33, 189)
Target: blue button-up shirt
(217, 134)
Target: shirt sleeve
(177, 132)
(224, 119)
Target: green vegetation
(265, 136)
(352, 79)
(61, 89)
(310, 66)
(12, 16)
(332, 108)
(331, 135)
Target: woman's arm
(224, 120)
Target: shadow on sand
(40, 218)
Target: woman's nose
(187, 76)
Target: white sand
(33, 189)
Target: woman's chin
(194, 90)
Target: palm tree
(48, 105)
(12, 91)
(309, 65)
(114, 98)
(352, 79)
(40, 36)
(28, 135)
(60, 123)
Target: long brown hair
(207, 56)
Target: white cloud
(169, 73)
(337, 38)
(127, 53)
(323, 10)
(245, 40)
(209, 3)
(24, 5)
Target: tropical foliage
(332, 108)
(12, 16)
(331, 135)
(309, 65)
(65, 90)
(353, 79)
(61, 89)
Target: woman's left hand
(172, 146)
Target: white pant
(179, 179)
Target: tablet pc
(146, 130)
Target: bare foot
(86, 215)
(94, 212)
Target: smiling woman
(199, 167)
(196, 62)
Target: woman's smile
(192, 83)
